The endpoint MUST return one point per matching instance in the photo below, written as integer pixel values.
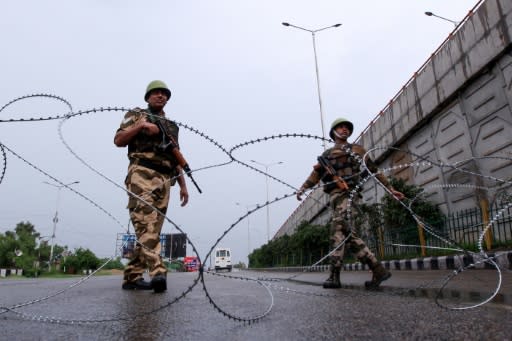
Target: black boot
(380, 274)
(159, 283)
(333, 282)
(139, 284)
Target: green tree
(113, 264)
(27, 235)
(81, 259)
(8, 244)
(397, 222)
(239, 265)
(18, 248)
(307, 245)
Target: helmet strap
(338, 135)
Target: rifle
(324, 163)
(169, 144)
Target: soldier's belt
(154, 166)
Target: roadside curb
(469, 297)
(503, 259)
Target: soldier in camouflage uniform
(151, 173)
(345, 160)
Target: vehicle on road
(191, 263)
(223, 259)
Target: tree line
(24, 248)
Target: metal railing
(460, 229)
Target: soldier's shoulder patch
(133, 115)
(127, 120)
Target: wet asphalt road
(99, 310)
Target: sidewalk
(468, 286)
(423, 277)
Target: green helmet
(339, 121)
(157, 85)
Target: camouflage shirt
(346, 161)
(147, 147)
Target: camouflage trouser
(154, 188)
(340, 229)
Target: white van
(222, 259)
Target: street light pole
(56, 218)
(430, 14)
(248, 230)
(39, 253)
(313, 32)
(266, 183)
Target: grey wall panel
(505, 64)
(451, 136)
(484, 98)
(455, 110)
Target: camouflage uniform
(150, 173)
(346, 161)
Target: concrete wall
(456, 110)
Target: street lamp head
(430, 14)
(285, 24)
(267, 165)
(63, 185)
(337, 25)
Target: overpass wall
(455, 111)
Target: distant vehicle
(191, 263)
(223, 259)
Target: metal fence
(460, 230)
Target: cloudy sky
(236, 73)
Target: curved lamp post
(247, 207)
(56, 217)
(430, 14)
(266, 183)
(313, 32)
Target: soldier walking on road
(340, 169)
(151, 173)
